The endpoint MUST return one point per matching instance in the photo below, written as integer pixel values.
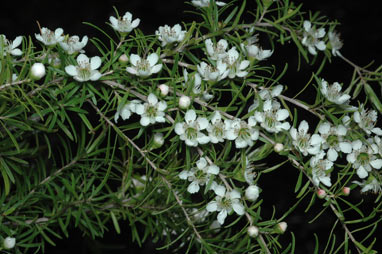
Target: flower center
(143, 65)
(363, 158)
(332, 140)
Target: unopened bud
(253, 231)
(321, 193)
(278, 147)
(184, 102)
(346, 191)
(9, 242)
(158, 140)
(163, 89)
(281, 227)
(123, 59)
(37, 71)
(252, 192)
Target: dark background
(361, 31)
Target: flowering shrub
(176, 131)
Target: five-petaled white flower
(189, 130)
(242, 132)
(85, 70)
(206, 3)
(333, 140)
(363, 158)
(10, 47)
(225, 202)
(333, 92)
(167, 34)
(125, 24)
(218, 51)
(73, 44)
(320, 169)
(234, 65)
(125, 111)
(272, 116)
(144, 67)
(216, 129)
(303, 141)
(200, 175)
(366, 120)
(254, 51)
(312, 38)
(371, 184)
(211, 73)
(151, 111)
(50, 38)
(335, 43)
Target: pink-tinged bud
(163, 89)
(321, 193)
(253, 231)
(281, 227)
(278, 147)
(184, 102)
(123, 59)
(346, 191)
(37, 71)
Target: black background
(361, 31)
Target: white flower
(200, 175)
(50, 38)
(144, 67)
(37, 71)
(333, 139)
(363, 158)
(333, 92)
(366, 120)
(189, 131)
(371, 184)
(243, 133)
(73, 44)
(206, 3)
(312, 38)
(8, 47)
(303, 141)
(335, 43)
(377, 145)
(212, 73)
(9, 242)
(272, 116)
(124, 24)
(256, 52)
(126, 110)
(225, 202)
(216, 129)
(320, 168)
(235, 66)
(217, 52)
(151, 111)
(266, 94)
(167, 34)
(252, 192)
(85, 70)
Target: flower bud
(252, 192)
(37, 71)
(123, 59)
(321, 193)
(158, 140)
(184, 102)
(346, 191)
(9, 242)
(281, 227)
(278, 147)
(253, 231)
(163, 89)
